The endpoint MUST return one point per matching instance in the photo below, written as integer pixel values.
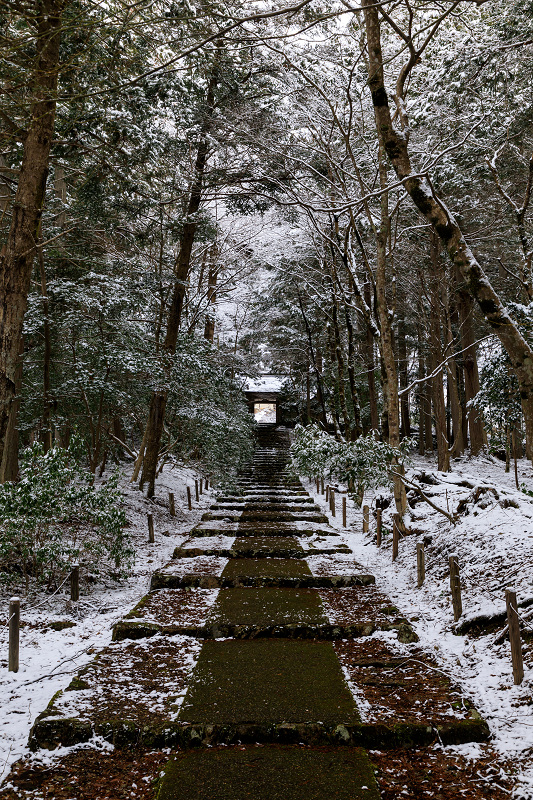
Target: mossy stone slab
(267, 606)
(270, 773)
(268, 680)
(267, 544)
(266, 567)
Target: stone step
(165, 580)
(269, 773)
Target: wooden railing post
(420, 564)
(366, 519)
(378, 527)
(189, 498)
(14, 634)
(514, 636)
(395, 537)
(171, 504)
(455, 586)
(75, 582)
(151, 537)
(344, 523)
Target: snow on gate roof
(264, 383)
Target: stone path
(247, 656)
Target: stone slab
(270, 773)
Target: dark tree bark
(16, 259)
(158, 401)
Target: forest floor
(492, 540)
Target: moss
(274, 772)
(270, 680)
(77, 684)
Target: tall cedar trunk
(340, 368)
(403, 371)
(47, 359)
(436, 357)
(423, 195)
(158, 401)
(357, 429)
(16, 260)
(390, 375)
(420, 394)
(316, 361)
(370, 367)
(453, 380)
(9, 468)
(335, 393)
(209, 330)
(465, 306)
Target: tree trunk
(16, 260)
(209, 330)
(465, 306)
(404, 378)
(422, 193)
(158, 401)
(47, 359)
(370, 367)
(436, 358)
(9, 469)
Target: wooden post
(322, 485)
(189, 498)
(171, 504)
(332, 500)
(14, 634)
(366, 518)
(318, 485)
(75, 582)
(151, 537)
(455, 586)
(378, 527)
(514, 636)
(420, 564)
(327, 495)
(201, 485)
(206, 484)
(395, 537)
(196, 490)
(344, 525)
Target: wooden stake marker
(318, 485)
(322, 485)
(455, 586)
(189, 498)
(344, 524)
(206, 484)
(171, 504)
(151, 537)
(196, 490)
(366, 518)
(395, 538)
(514, 636)
(378, 527)
(332, 500)
(201, 485)
(14, 634)
(420, 564)
(75, 582)
(327, 495)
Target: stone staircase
(247, 653)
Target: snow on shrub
(363, 464)
(55, 516)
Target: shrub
(363, 464)
(55, 516)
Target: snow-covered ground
(494, 541)
(49, 658)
